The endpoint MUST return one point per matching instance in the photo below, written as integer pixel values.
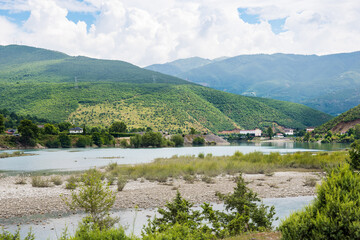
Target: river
(85, 158)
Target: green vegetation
(176, 167)
(40, 182)
(114, 91)
(243, 214)
(335, 212)
(14, 154)
(95, 198)
(328, 83)
(346, 117)
(29, 132)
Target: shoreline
(17, 201)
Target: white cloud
(146, 32)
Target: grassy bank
(257, 162)
(14, 154)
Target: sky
(145, 32)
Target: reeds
(211, 166)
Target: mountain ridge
(106, 91)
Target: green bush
(52, 143)
(83, 141)
(64, 140)
(178, 140)
(57, 180)
(121, 182)
(198, 141)
(5, 235)
(40, 182)
(335, 212)
(86, 231)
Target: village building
(76, 130)
(310, 129)
(288, 131)
(256, 132)
(11, 131)
(279, 135)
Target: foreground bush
(86, 231)
(335, 212)
(243, 214)
(5, 235)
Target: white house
(310, 129)
(76, 130)
(279, 135)
(289, 131)
(256, 132)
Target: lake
(85, 158)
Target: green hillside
(108, 91)
(325, 83)
(349, 118)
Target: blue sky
(157, 31)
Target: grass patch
(251, 163)
(310, 182)
(21, 179)
(40, 182)
(56, 180)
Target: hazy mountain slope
(342, 122)
(113, 90)
(297, 78)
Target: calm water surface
(85, 158)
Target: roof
(77, 128)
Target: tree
(2, 123)
(50, 129)
(178, 140)
(153, 139)
(136, 141)
(354, 153)
(95, 198)
(307, 136)
(118, 127)
(29, 132)
(199, 141)
(96, 138)
(83, 141)
(64, 126)
(357, 131)
(270, 132)
(192, 131)
(333, 214)
(64, 140)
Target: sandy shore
(24, 200)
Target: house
(11, 131)
(279, 135)
(256, 132)
(310, 129)
(288, 131)
(76, 130)
(40, 126)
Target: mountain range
(82, 90)
(329, 83)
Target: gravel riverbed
(25, 200)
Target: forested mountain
(329, 83)
(343, 122)
(82, 90)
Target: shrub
(201, 155)
(88, 232)
(207, 179)
(95, 198)
(72, 182)
(83, 141)
(57, 180)
(198, 141)
(5, 235)
(121, 182)
(178, 140)
(310, 182)
(354, 153)
(189, 179)
(21, 179)
(52, 143)
(64, 140)
(40, 182)
(124, 143)
(334, 213)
